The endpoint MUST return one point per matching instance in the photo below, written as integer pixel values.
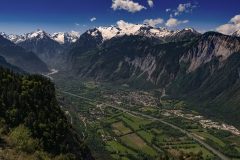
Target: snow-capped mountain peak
(189, 29)
(65, 37)
(12, 37)
(104, 33)
(60, 37)
(123, 28)
(37, 34)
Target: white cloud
(235, 19)
(168, 9)
(127, 5)
(173, 22)
(123, 24)
(184, 8)
(128, 28)
(93, 19)
(150, 3)
(77, 24)
(153, 22)
(232, 26)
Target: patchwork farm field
(132, 135)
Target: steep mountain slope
(19, 57)
(143, 59)
(31, 122)
(51, 49)
(195, 69)
(208, 46)
(44, 46)
(4, 64)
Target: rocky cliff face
(208, 47)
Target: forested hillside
(32, 124)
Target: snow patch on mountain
(237, 33)
(65, 37)
(4, 35)
(37, 34)
(12, 37)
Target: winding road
(190, 135)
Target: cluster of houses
(206, 123)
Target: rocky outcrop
(210, 46)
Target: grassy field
(134, 122)
(133, 137)
(125, 127)
(119, 128)
(196, 149)
(116, 148)
(211, 137)
(134, 141)
(146, 135)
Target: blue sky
(20, 16)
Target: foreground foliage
(32, 121)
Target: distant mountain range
(60, 37)
(57, 49)
(106, 33)
(51, 49)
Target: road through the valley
(190, 135)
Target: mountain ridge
(17, 56)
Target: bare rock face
(147, 65)
(210, 46)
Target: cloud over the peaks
(123, 24)
(153, 22)
(150, 3)
(93, 19)
(232, 26)
(182, 8)
(173, 22)
(127, 5)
